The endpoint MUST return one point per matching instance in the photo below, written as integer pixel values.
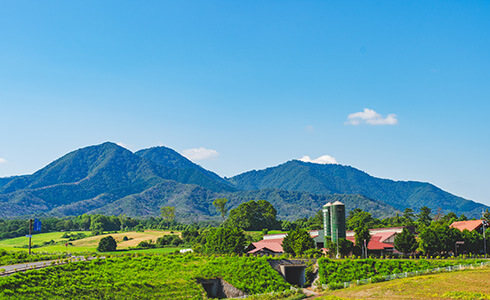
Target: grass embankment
(143, 277)
(88, 244)
(468, 284)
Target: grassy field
(88, 244)
(469, 284)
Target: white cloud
(369, 116)
(200, 153)
(3, 161)
(323, 160)
(123, 145)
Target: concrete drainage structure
(218, 288)
(292, 270)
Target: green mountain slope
(110, 179)
(194, 203)
(172, 159)
(337, 179)
(91, 174)
(292, 205)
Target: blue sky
(254, 84)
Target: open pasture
(88, 244)
(468, 284)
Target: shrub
(335, 286)
(106, 244)
(146, 244)
(377, 279)
(313, 253)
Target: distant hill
(292, 205)
(169, 158)
(338, 179)
(105, 172)
(194, 203)
(110, 179)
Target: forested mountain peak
(166, 157)
(320, 179)
(172, 159)
(91, 177)
(74, 167)
(108, 178)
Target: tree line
(430, 234)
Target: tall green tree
(254, 215)
(409, 216)
(225, 240)
(486, 215)
(168, 213)
(358, 217)
(345, 247)
(362, 237)
(220, 205)
(450, 217)
(107, 244)
(297, 242)
(438, 238)
(189, 235)
(424, 217)
(405, 242)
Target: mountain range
(110, 179)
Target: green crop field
(88, 244)
(468, 284)
(143, 277)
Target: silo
(327, 228)
(337, 220)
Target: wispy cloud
(200, 153)
(3, 161)
(323, 160)
(309, 128)
(370, 117)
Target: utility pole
(484, 239)
(337, 243)
(30, 235)
(365, 249)
(484, 223)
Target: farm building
(334, 228)
(382, 239)
(381, 243)
(334, 220)
(272, 244)
(469, 225)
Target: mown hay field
(467, 284)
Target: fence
(340, 285)
(38, 265)
(292, 290)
